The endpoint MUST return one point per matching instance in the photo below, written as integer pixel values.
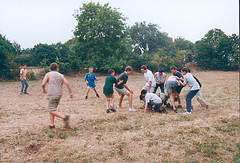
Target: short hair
(128, 68)
(143, 92)
(53, 66)
(189, 70)
(144, 67)
(141, 97)
(24, 64)
(90, 68)
(173, 68)
(110, 71)
(185, 69)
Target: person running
(91, 81)
(160, 78)
(24, 80)
(193, 85)
(179, 87)
(171, 86)
(108, 89)
(152, 102)
(150, 81)
(123, 89)
(54, 91)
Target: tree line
(102, 40)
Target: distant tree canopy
(103, 41)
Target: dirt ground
(95, 136)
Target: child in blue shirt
(91, 81)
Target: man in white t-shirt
(24, 79)
(150, 81)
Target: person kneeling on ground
(55, 82)
(152, 102)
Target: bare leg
(57, 114)
(172, 100)
(179, 99)
(120, 100)
(130, 100)
(113, 99)
(108, 103)
(87, 91)
(95, 90)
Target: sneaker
(175, 110)
(86, 97)
(97, 95)
(52, 127)
(179, 106)
(26, 93)
(107, 111)
(112, 109)
(132, 109)
(120, 106)
(207, 107)
(187, 112)
(21, 93)
(66, 121)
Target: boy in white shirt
(150, 81)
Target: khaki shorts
(123, 91)
(53, 102)
(109, 96)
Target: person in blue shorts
(91, 81)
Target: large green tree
(101, 38)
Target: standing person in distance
(54, 91)
(91, 81)
(24, 80)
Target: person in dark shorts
(108, 89)
(179, 87)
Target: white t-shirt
(55, 83)
(149, 77)
(23, 73)
(191, 82)
(152, 97)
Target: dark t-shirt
(178, 74)
(108, 86)
(198, 81)
(123, 76)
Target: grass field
(205, 136)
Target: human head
(143, 92)
(111, 72)
(24, 66)
(160, 70)
(54, 66)
(142, 97)
(173, 69)
(90, 70)
(128, 69)
(184, 70)
(144, 69)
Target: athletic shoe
(179, 106)
(86, 97)
(175, 110)
(132, 109)
(107, 111)
(21, 93)
(66, 121)
(52, 127)
(187, 112)
(97, 95)
(112, 109)
(120, 107)
(26, 93)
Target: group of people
(152, 101)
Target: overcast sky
(29, 22)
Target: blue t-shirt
(90, 78)
(178, 74)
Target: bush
(31, 76)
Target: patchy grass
(205, 136)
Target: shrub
(31, 76)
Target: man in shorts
(55, 82)
(150, 81)
(123, 89)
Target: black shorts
(179, 89)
